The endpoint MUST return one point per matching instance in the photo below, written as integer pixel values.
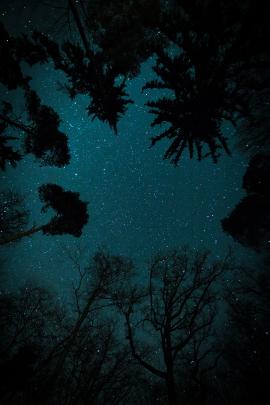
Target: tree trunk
(51, 382)
(169, 361)
(172, 396)
(20, 235)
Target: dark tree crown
(89, 74)
(256, 178)
(194, 113)
(44, 140)
(71, 212)
(10, 71)
(249, 222)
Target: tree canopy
(249, 222)
(187, 328)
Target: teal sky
(139, 204)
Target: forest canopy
(189, 326)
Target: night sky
(139, 204)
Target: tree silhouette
(212, 67)
(99, 279)
(129, 32)
(249, 222)
(207, 78)
(71, 214)
(255, 179)
(88, 74)
(254, 131)
(217, 70)
(42, 136)
(247, 353)
(195, 112)
(7, 152)
(103, 372)
(252, 77)
(179, 307)
(10, 71)
(94, 369)
(44, 139)
(31, 323)
(108, 99)
(23, 316)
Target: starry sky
(139, 204)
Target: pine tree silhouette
(42, 137)
(10, 71)
(88, 74)
(249, 222)
(71, 214)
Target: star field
(138, 203)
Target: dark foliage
(221, 74)
(254, 131)
(49, 356)
(256, 178)
(178, 310)
(30, 322)
(128, 31)
(121, 343)
(71, 212)
(10, 71)
(196, 111)
(42, 137)
(88, 74)
(44, 140)
(247, 341)
(41, 345)
(109, 100)
(29, 51)
(252, 75)
(249, 222)
(200, 81)
(7, 152)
